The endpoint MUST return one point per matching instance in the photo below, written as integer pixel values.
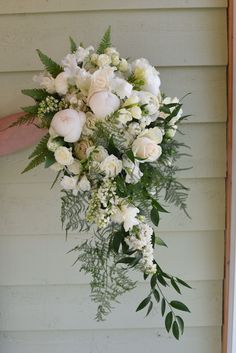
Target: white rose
(133, 173)
(98, 154)
(111, 166)
(126, 214)
(45, 81)
(104, 103)
(136, 112)
(144, 71)
(101, 80)
(115, 60)
(146, 149)
(123, 66)
(80, 148)
(68, 123)
(103, 60)
(84, 184)
(61, 83)
(69, 183)
(154, 134)
(121, 87)
(63, 155)
(75, 167)
(53, 144)
(94, 58)
(124, 116)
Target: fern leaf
(23, 120)
(105, 42)
(34, 162)
(73, 46)
(31, 110)
(41, 147)
(36, 94)
(51, 66)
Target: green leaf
(156, 205)
(51, 66)
(41, 147)
(161, 280)
(49, 159)
(55, 180)
(105, 42)
(179, 306)
(163, 306)
(117, 239)
(160, 242)
(156, 295)
(175, 286)
(181, 323)
(126, 260)
(121, 186)
(175, 330)
(153, 281)
(23, 120)
(155, 218)
(168, 321)
(31, 110)
(130, 155)
(36, 94)
(34, 163)
(143, 303)
(149, 308)
(73, 46)
(180, 281)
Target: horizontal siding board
(195, 340)
(206, 103)
(29, 267)
(34, 6)
(168, 39)
(69, 308)
(25, 207)
(207, 143)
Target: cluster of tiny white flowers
(140, 239)
(50, 105)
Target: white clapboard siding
(25, 207)
(34, 6)
(207, 86)
(195, 340)
(185, 37)
(68, 307)
(49, 263)
(196, 136)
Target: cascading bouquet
(111, 140)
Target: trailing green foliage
(23, 120)
(105, 42)
(108, 281)
(51, 66)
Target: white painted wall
(44, 303)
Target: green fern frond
(41, 147)
(51, 66)
(23, 120)
(34, 163)
(31, 110)
(73, 45)
(105, 42)
(36, 94)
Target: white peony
(69, 124)
(133, 173)
(69, 182)
(126, 214)
(144, 71)
(75, 167)
(63, 155)
(45, 81)
(111, 166)
(121, 87)
(84, 184)
(98, 154)
(61, 83)
(146, 149)
(154, 134)
(104, 103)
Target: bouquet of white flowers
(111, 140)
